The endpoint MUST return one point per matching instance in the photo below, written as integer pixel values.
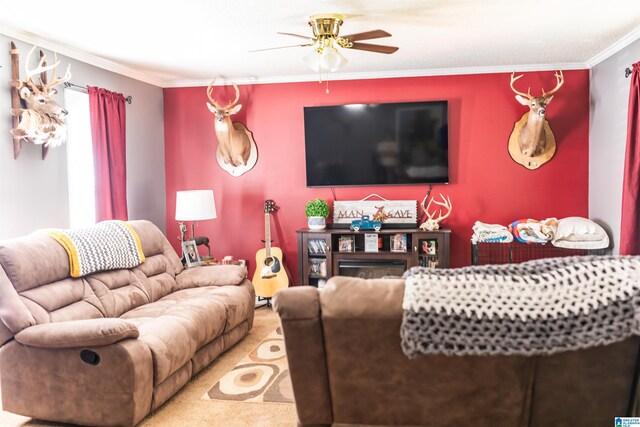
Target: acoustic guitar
(271, 274)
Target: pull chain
(326, 79)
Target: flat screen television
(377, 144)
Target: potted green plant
(317, 211)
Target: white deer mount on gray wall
(37, 117)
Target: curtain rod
(129, 99)
(627, 72)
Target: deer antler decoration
(235, 142)
(532, 143)
(42, 121)
(434, 223)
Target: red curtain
(108, 124)
(630, 227)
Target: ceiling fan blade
(282, 47)
(297, 35)
(378, 48)
(367, 35)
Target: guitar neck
(267, 234)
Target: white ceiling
(187, 43)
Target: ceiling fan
(326, 29)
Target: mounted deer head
(532, 137)
(434, 223)
(42, 121)
(233, 144)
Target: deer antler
(446, 203)
(424, 208)
(215, 103)
(30, 73)
(55, 80)
(231, 104)
(513, 80)
(41, 68)
(559, 83)
(210, 95)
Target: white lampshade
(195, 205)
(331, 59)
(328, 59)
(313, 60)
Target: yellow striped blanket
(107, 245)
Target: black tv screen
(377, 144)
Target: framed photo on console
(346, 244)
(190, 253)
(399, 242)
(371, 242)
(430, 247)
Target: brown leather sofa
(347, 368)
(108, 348)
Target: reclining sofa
(108, 348)
(347, 368)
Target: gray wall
(607, 137)
(33, 192)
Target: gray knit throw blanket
(538, 307)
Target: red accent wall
(486, 184)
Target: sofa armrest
(211, 275)
(77, 333)
(355, 298)
(299, 311)
(115, 389)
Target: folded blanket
(483, 232)
(534, 308)
(533, 231)
(105, 246)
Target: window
(82, 200)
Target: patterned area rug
(261, 376)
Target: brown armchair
(347, 367)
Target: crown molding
(79, 55)
(614, 48)
(311, 77)
(381, 74)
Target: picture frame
(370, 242)
(430, 247)
(190, 253)
(346, 244)
(399, 242)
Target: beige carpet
(186, 408)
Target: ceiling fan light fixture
(313, 60)
(325, 24)
(331, 59)
(326, 58)
(326, 43)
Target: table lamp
(195, 205)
